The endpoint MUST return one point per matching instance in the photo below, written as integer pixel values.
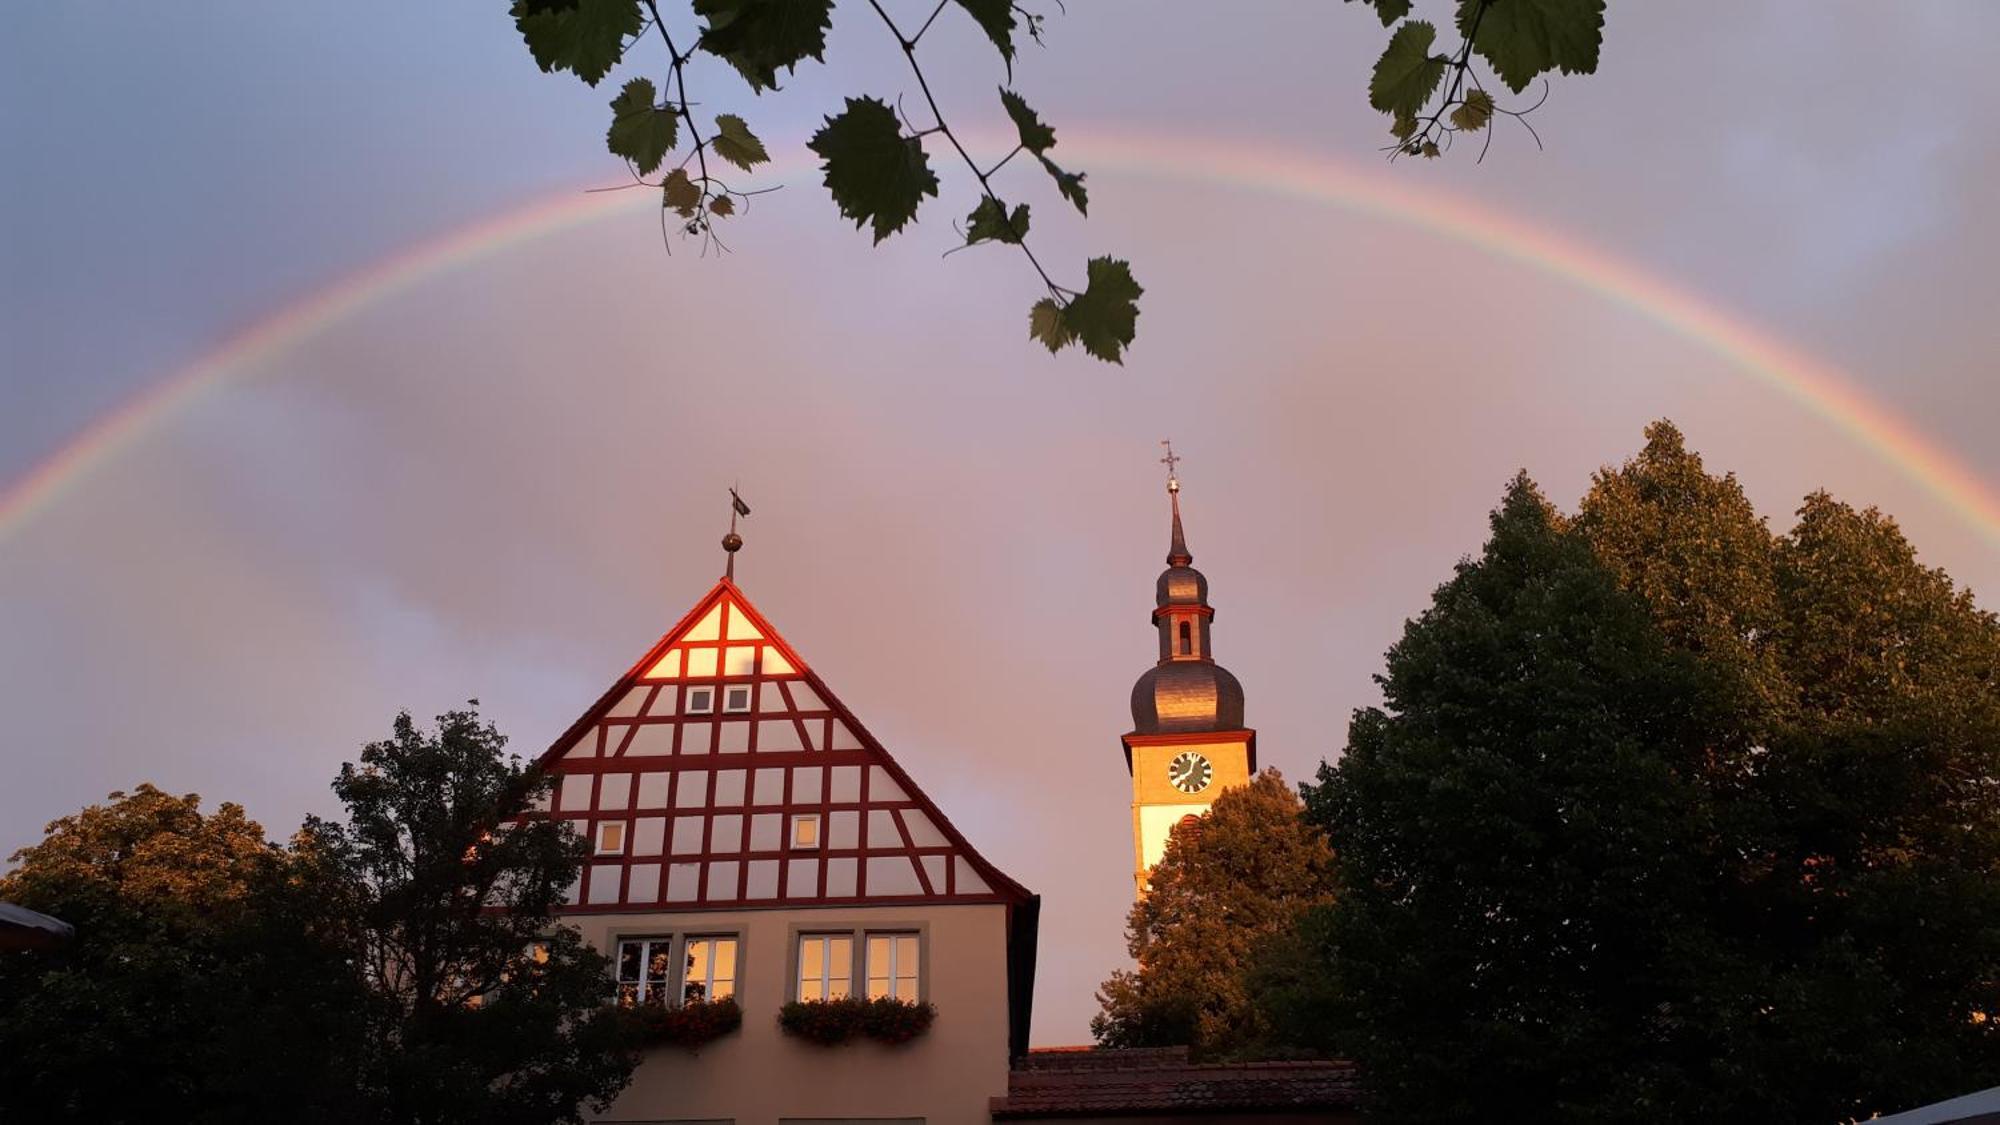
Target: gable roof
(708, 750)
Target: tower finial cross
(733, 542)
(1171, 460)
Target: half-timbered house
(751, 840)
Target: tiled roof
(1073, 1081)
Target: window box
(691, 1026)
(832, 1022)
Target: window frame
(799, 820)
(858, 931)
(647, 942)
(672, 991)
(707, 692)
(687, 940)
(826, 978)
(894, 938)
(749, 698)
(624, 828)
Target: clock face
(1190, 772)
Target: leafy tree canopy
(485, 1008)
(403, 965)
(1240, 874)
(876, 161)
(1517, 842)
(1666, 817)
(197, 988)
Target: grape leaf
(1403, 126)
(735, 143)
(874, 173)
(1524, 39)
(641, 131)
(1046, 323)
(1474, 112)
(586, 37)
(996, 18)
(1035, 136)
(1070, 184)
(759, 36)
(722, 205)
(1103, 317)
(1388, 10)
(1407, 73)
(990, 220)
(679, 193)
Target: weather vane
(1170, 460)
(733, 542)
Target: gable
(697, 767)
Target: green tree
(1694, 549)
(1853, 898)
(483, 1007)
(1519, 844)
(198, 988)
(1874, 912)
(1238, 876)
(876, 162)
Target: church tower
(1188, 741)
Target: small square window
(805, 831)
(736, 698)
(610, 837)
(700, 700)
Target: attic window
(700, 700)
(610, 837)
(736, 699)
(805, 831)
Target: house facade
(751, 841)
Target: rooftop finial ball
(732, 542)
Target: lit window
(826, 966)
(892, 966)
(610, 837)
(805, 831)
(736, 699)
(700, 700)
(644, 965)
(708, 969)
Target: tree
(197, 989)
(1667, 817)
(1519, 844)
(1854, 794)
(875, 163)
(1238, 876)
(484, 1008)
(1704, 561)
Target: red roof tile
(1069, 1081)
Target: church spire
(1186, 690)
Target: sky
(505, 478)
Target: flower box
(829, 1022)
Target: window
(1187, 639)
(610, 837)
(805, 831)
(700, 700)
(644, 965)
(826, 966)
(736, 699)
(708, 969)
(892, 966)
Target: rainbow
(1398, 197)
